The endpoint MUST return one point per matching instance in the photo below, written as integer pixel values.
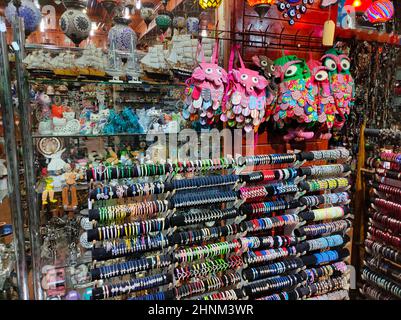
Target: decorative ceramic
(193, 25)
(179, 23)
(122, 35)
(45, 127)
(28, 11)
(163, 21)
(147, 14)
(76, 25)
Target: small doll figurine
(113, 159)
(48, 193)
(69, 194)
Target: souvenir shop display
(167, 153)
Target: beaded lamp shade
(206, 4)
(261, 6)
(380, 11)
(28, 11)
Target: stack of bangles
(259, 257)
(325, 171)
(202, 216)
(269, 242)
(127, 191)
(111, 214)
(110, 291)
(268, 159)
(324, 228)
(325, 184)
(228, 295)
(207, 197)
(205, 234)
(270, 223)
(261, 192)
(273, 269)
(207, 267)
(327, 155)
(129, 230)
(104, 173)
(390, 174)
(330, 198)
(387, 222)
(389, 189)
(278, 283)
(321, 258)
(130, 246)
(383, 267)
(391, 157)
(269, 175)
(386, 237)
(131, 267)
(332, 213)
(203, 182)
(375, 294)
(210, 284)
(321, 243)
(268, 207)
(325, 272)
(382, 282)
(207, 251)
(333, 296)
(383, 250)
(389, 207)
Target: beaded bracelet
(383, 250)
(263, 256)
(386, 237)
(375, 294)
(316, 215)
(272, 269)
(207, 251)
(268, 242)
(325, 184)
(387, 222)
(204, 198)
(270, 223)
(331, 198)
(228, 295)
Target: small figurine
(48, 193)
(69, 193)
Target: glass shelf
(78, 82)
(40, 136)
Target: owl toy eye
(255, 80)
(264, 63)
(219, 71)
(291, 71)
(209, 71)
(244, 77)
(345, 64)
(330, 64)
(321, 75)
(272, 68)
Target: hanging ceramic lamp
(26, 10)
(108, 5)
(163, 21)
(147, 13)
(122, 34)
(193, 25)
(75, 24)
(380, 11)
(210, 4)
(179, 23)
(261, 6)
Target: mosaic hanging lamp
(261, 6)
(147, 13)
(164, 20)
(210, 4)
(380, 11)
(75, 24)
(293, 9)
(27, 10)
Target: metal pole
(12, 165)
(24, 106)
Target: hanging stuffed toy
(295, 98)
(326, 107)
(205, 90)
(341, 84)
(267, 69)
(245, 98)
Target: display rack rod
(25, 112)
(12, 167)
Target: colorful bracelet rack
(325, 184)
